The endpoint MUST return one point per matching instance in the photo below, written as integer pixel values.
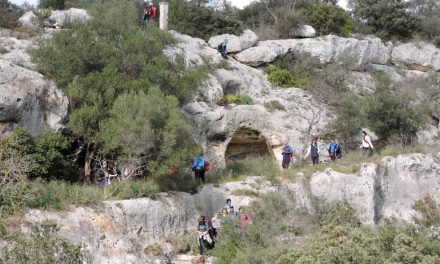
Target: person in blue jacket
(198, 166)
(287, 153)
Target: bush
(9, 14)
(237, 99)
(195, 19)
(53, 4)
(284, 78)
(429, 210)
(43, 246)
(329, 19)
(42, 16)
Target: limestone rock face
(327, 49)
(119, 231)
(419, 56)
(235, 43)
(276, 116)
(304, 31)
(27, 99)
(360, 83)
(59, 16)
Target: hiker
(245, 218)
(228, 204)
(232, 214)
(333, 150)
(203, 234)
(224, 216)
(216, 223)
(338, 150)
(287, 153)
(313, 151)
(198, 166)
(150, 11)
(366, 145)
(222, 47)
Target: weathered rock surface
(304, 31)
(327, 49)
(235, 43)
(58, 16)
(277, 115)
(419, 56)
(27, 99)
(118, 231)
(360, 83)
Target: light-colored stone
(327, 49)
(391, 72)
(304, 31)
(360, 83)
(419, 56)
(235, 43)
(58, 16)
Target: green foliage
(350, 119)
(45, 155)
(429, 210)
(42, 16)
(264, 166)
(386, 18)
(284, 78)
(43, 246)
(237, 99)
(427, 12)
(106, 63)
(53, 4)
(341, 213)
(195, 19)
(329, 19)
(9, 14)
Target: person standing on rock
(287, 153)
(203, 234)
(222, 49)
(198, 166)
(313, 151)
(366, 145)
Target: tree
(54, 4)
(329, 19)
(428, 13)
(9, 14)
(386, 18)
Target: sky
(237, 3)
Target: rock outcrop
(119, 231)
(277, 115)
(304, 31)
(419, 56)
(235, 43)
(27, 98)
(57, 17)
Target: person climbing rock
(287, 153)
(332, 150)
(198, 166)
(313, 151)
(222, 49)
(366, 145)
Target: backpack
(200, 163)
(207, 166)
(313, 150)
(287, 149)
(221, 47)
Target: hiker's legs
(201, 245)
(285, 163)
(224, 55)
(198, 175)
(315, 160)
(202, 175)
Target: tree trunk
(90, 154)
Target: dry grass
(245, 192)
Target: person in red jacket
(150, 12)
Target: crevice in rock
(379, 196)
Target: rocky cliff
(119, 231)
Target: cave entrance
(247, 143)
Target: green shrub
(9, 14)
(263, 166)
(329, 19)
(237, 99)
(245, 192)
(429, 210)
(284, 78)
(42, 16)
(53, 4)
(43, 246)
(183, 244)
(154, 249)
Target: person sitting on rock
(232, 214)
(287, 153)
(228, 204)
(222, 49)
(224, 216)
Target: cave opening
(247, 143)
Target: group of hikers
(207, 229)
(334, 150)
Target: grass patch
(245, 192)
(285, 78)
(184, 243)
(237, 99)
(154, 249)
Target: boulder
(29, 100)
(419, 56)
(360, 83)
(58, 17)
(327, 49)
(235, 43)
(391, 72)
(304, 31)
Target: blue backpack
(198, 163)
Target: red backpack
(206, 166)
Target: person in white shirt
(366, 145)
(314, 151)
